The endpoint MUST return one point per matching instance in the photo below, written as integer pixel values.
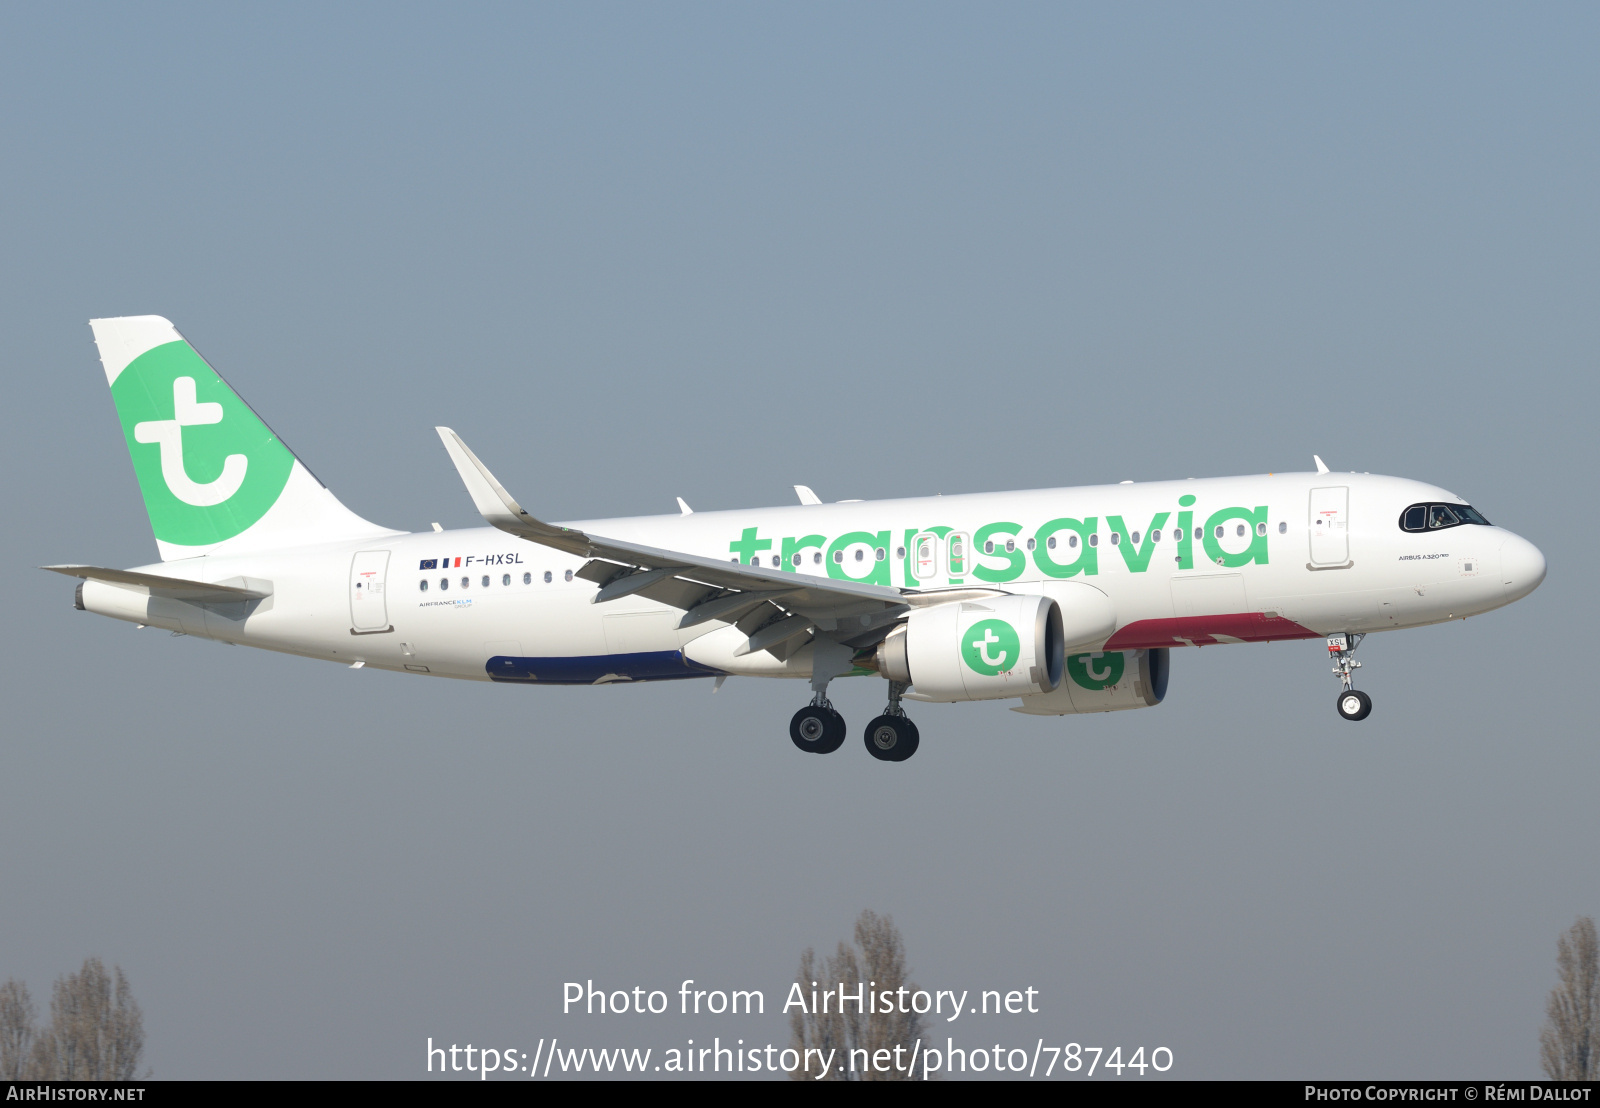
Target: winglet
(493, 502)
(683, 507)
(806, 495)
(1321, 468)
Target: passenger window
(1050, 543)
(899, 553)
(1011, 546)
(1440, 516)
(465, 581)
(794, 560)
(1031, 544)
(1239, 530)
(527, 578)
(838, 557)
(569, 575)
(988, 548)
(547, 577)
(1155, 536)
(1261, 529)
(505, 579)
(485, 581)
(424, 584)
(861, 555)
(1094, 540)
(881, 554)
(776, 561)
(816, 559)
(444, 583)
(1283, 528)
(1135, 538)
(1219, 532)
(1072, 541)
(1116, 538)
(1199, 533)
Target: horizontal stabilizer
(174, 588)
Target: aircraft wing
(758, 599)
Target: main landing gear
(1352, 703)
(892, 737)
(819, 729)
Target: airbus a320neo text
(1062, 601)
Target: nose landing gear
(892, 737)
(1352, 704)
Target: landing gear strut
(892, 737)
(1352, 703)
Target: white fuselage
(1296, 558)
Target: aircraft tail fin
(215, 478)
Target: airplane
(1066, 600)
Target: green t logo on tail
(991, 647)
(207, 465)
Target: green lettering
(1256, 552)
(1016, 560)
(878, 571)
(747, 546)
(791, 547)
(1087, 561)
(1185, 539)
(1138, 560)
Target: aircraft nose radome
(1521, 566)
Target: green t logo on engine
(991, 647)
(1096, 671)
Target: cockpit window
(1435, 517)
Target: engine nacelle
(1111, 681)
(984, 649)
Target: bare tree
(1569, 1045)
(849, 1032)
(96, 1032)
(17, 1031)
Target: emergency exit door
(1330, 526)
(369, 610)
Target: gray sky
(633, 252)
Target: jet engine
(1110, 681)
(982, 649)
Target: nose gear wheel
(1352, 704)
